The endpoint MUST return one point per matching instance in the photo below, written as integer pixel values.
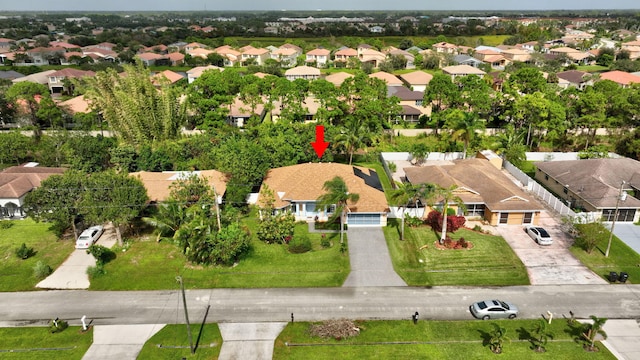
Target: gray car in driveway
(493, 309)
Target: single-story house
(462, 70)
(296, 188)
(417, 80)
(16, 182)
(338, 78)
(486, 192)
(595, 185)
(302, 72)
(158, 184)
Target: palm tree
(352, 136)
(498, 337)
(337, 194)
(447, 195)
(593, 330)
(542, 335)
(407, 193)
(464, 126)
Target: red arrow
(320, 145)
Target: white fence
(395, 212)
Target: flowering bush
(454, 222)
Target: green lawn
(593, 68)
(172, 342)
(148, 265)
(38, 343)
(490, 262)
(17, 274)
(432, 340)
(621, 258)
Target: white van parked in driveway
(89, 237)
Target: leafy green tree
(337, 193)
(88, 153)
(113, 197)
(123, 157)
(26, 97)
(442, 92)
(475, 94)
(273, 228)
(14, 147)
(210, 96)
(464, 125)
(137, 110)
(526, 80)
(58, 200)
(591, 107)
(406, 194)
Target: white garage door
(363, 219)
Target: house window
(565, 190)
(528, 218)
(624, 215)
(418, 102)
(546, 177)
(475, 209)
(504, 218)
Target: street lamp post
(621, 197)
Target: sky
(226, 5)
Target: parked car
(540, 235)
(493, 309)
(89, 237)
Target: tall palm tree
(447, 196)
(352, 136)
(337, 194)
(407, 193)
(464, 126)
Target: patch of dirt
(336, 329)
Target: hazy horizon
(326, 5)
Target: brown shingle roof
(390, 79)
(478, 181)
(16, 181)
(158, 184)
(304, 182)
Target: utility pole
(186, 314)
(621, 197)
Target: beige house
(486, 192)
(595, 185)
(16, 182)
(516, 55)
(417, 80)
(389, 79)
(286, 56)
(296, 188)
(320, 57)
(343, 55)
(258, 55)
(158, 184)
(462, 70)
(302, 72)
(338, 78)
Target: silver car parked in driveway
(89, 237)
(540, 235)
(493, 309)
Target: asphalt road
(618, 301)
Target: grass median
(489, 262)
(434, 340)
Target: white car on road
(89, 237)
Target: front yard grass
(172, 342)
(621, 258)
(38, 343)
(149, 265)
(18, 274)
(433, 340)
(489, 262)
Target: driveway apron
(370, 259)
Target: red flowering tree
(454, 222)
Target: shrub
(101, 253)
(57, 325)
(41, 270)
(462, 243)
(324, 241)
(5, 224)
(478, 228)
(454, 222)
(300, 244)
(24, 252)
(412, 221)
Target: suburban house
(286, 56)
(196, 72)
(302, 72)
(338, 78)
(595, 185)
(575, 56)
(158, 184)
(258, 55)
(16, 182)
(57, 79)
(416, 80)
(389, 79)
(231, 56)
(296, 188)
(520, 55)
(240, 112)
(199, 52)
(46, 56)
(633, 47)
(622, 78)
(407, 55)
(41, 77)
(486, 192)
(463, 59)
(445, 48)
(462, 70)
(167, 75)
(374, 57)
(101, 53)
(320, 57)
(310, 105)
(343, 55)
(411, 102)
(575, 78)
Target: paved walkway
(623, 338)
(548, 265)
(119, 342)
(249, 340)
(370, 259)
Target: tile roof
(304, 182)
(573, 76)
(16, 181)
(462, 70)
(478, 181)
(72, 73)
(302, 70)
(620, 77)
(76, 105)
(417, 77)
(390, 79)
(158, 184)
(338, 78)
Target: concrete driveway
(548, 265)
(72, 274)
